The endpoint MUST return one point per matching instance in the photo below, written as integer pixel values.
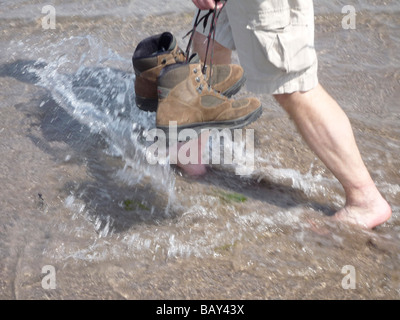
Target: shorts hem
(298, 85)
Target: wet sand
(77, 193)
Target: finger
(210, 4)
(195, 2)
(198, 4)
(205, 4)
(220, 5)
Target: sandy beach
(77, 192)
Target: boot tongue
(167, 42)
(173, 74)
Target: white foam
(102, 98)
(311, 185)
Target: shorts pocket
(286, 36)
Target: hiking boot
(154, 53)
(151, 56)
(186, 97)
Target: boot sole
(151, 105)
(219, 125)
(235, 88)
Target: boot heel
(146, 104)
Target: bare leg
(222, 55)
(328, 132)
(197, 168)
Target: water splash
(90, 84)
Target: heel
(146, 104)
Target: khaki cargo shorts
(274, 40)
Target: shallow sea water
(77, 192)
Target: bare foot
(368, 213)
(194, 169)
(190, 163)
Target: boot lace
(214, 14)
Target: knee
(286, 100)
(293, 100)
(282, 98)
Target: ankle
(362, 195)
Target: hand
(207, 4)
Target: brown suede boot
(154, 53)
(185, 97)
